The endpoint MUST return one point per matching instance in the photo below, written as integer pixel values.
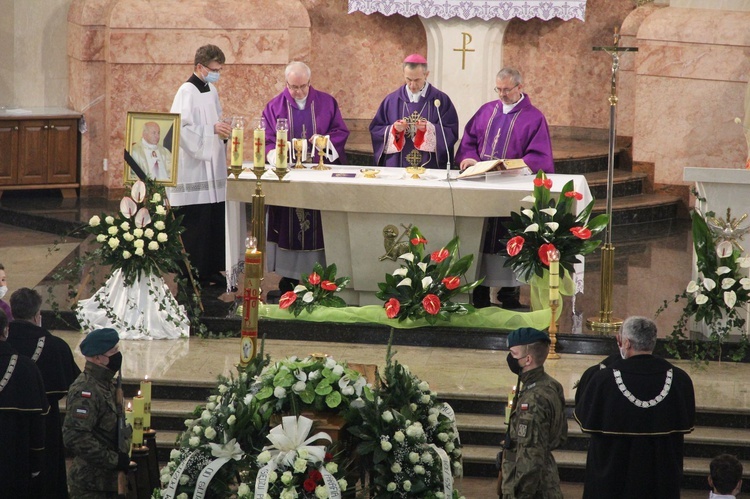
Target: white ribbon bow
(290, 439)
(230, 450)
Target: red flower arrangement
(315, 289)
(426, 283)
(550, 224)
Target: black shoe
(481, 297)
(509, 298)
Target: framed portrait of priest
(152, 141)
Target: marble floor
(649, 269)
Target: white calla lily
(692, 287)
(308, 297)
(552, 226)
(528, 213)
(532, 228)
(744, 261)
(745, 283)
(529, 199)
(709, 284)
(701, 299)
(723, 270)
(299, 288)
(138, 191)
(409, 257)
(549, 211)
(730, 298)
(426, 281)
(724, 249)
(404, 282)
(422, 266)
(400, 272)
(727, 283)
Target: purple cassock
(521, 134)
(396, 106)
(292, 228)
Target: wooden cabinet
(39, 151)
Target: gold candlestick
(553, 257)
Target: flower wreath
(315, 289)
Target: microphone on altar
(447, 151)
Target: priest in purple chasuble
(295, 235)
(406, 130)
(507, 128)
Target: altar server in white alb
(202, 166)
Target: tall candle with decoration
(129, 416)
(238, 138)
(138, 420)
(250, 302)
(554, 274)
(259, 143)
(146, 394)
(282, 128)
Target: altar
(364, 219)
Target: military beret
(526, 336)
(99, 341)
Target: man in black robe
(23, 406)
(55, 360)
(637, 411)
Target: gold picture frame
(153, 141)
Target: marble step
(641, 208)
(624, 183)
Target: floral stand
(144, 310)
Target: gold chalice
(415, 171)
(321, 143)
(297, 144)
(369, 172)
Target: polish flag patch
(86, 395)
(524, 407)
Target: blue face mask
(212, 76)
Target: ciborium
(321, 144)
(415, 171)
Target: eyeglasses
(297, 88)
(213, 70)
(503, 91)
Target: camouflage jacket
(90, 430)
(537, 426)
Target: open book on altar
(507, 166)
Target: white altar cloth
(355, 212)
(482, 9)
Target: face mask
(513, 364)
(3, 290)
(115, 362)
(212, 77)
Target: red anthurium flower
(439, 255)
(581, 232)
(392, 307)
(543, 249)
(431, 304)
(309, 485)
(287, 299)
(515, 245)
(315, 475)
(452, 282)
(314, 278)
(546, 182)
(418, 240)
(574, 194)
(328, 285)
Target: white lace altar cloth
(145, 310)
(469, 9)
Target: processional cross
(605, 322)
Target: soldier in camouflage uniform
(537, 423)
(90, 427)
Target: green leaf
(333, 399)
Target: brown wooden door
(32, 156)
(8, 152)
(63, 152)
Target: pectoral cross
(414, 158)
(411, 122)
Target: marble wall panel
(86, 43)
(688, 123)
(698, 62)
(564, 78)
(89, 12)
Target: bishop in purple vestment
(508, 128)
(407, 130)
(296, 234)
